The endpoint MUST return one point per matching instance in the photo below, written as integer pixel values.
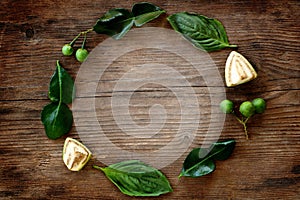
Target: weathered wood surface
(265, 167)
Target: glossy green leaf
(222, 150)
(200, 161)
(61, 86)
(145, 12)
(135, 178)
(118, 21)
(204, 33)
(115, 23)
(57, 119)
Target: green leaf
(200, 161)
(145, 12)
(61, 86)
(204, 33)
(56, 116)
(115, 23)
(222, 150)
(57, 119)
(118, 21)
(135, 178)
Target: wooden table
(265, 167)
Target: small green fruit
(67, 50)
(226, 106)
(247, 109)
(259, 104)
(81, 54)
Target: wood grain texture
(265, 167)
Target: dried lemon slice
(238, 70)
(75, 154)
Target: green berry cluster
(81, 53)
(247, 109)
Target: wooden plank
(265, 167)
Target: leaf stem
(74, 40)
(59, 82)
(244, 123)
(232, 46)
(180, 175)
(245, 130)
(60, 90)
(97, 167)
(81, 33)
(84, 40)
(87, 31)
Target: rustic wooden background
(265, 167)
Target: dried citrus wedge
(75, 154)
(238, 70)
